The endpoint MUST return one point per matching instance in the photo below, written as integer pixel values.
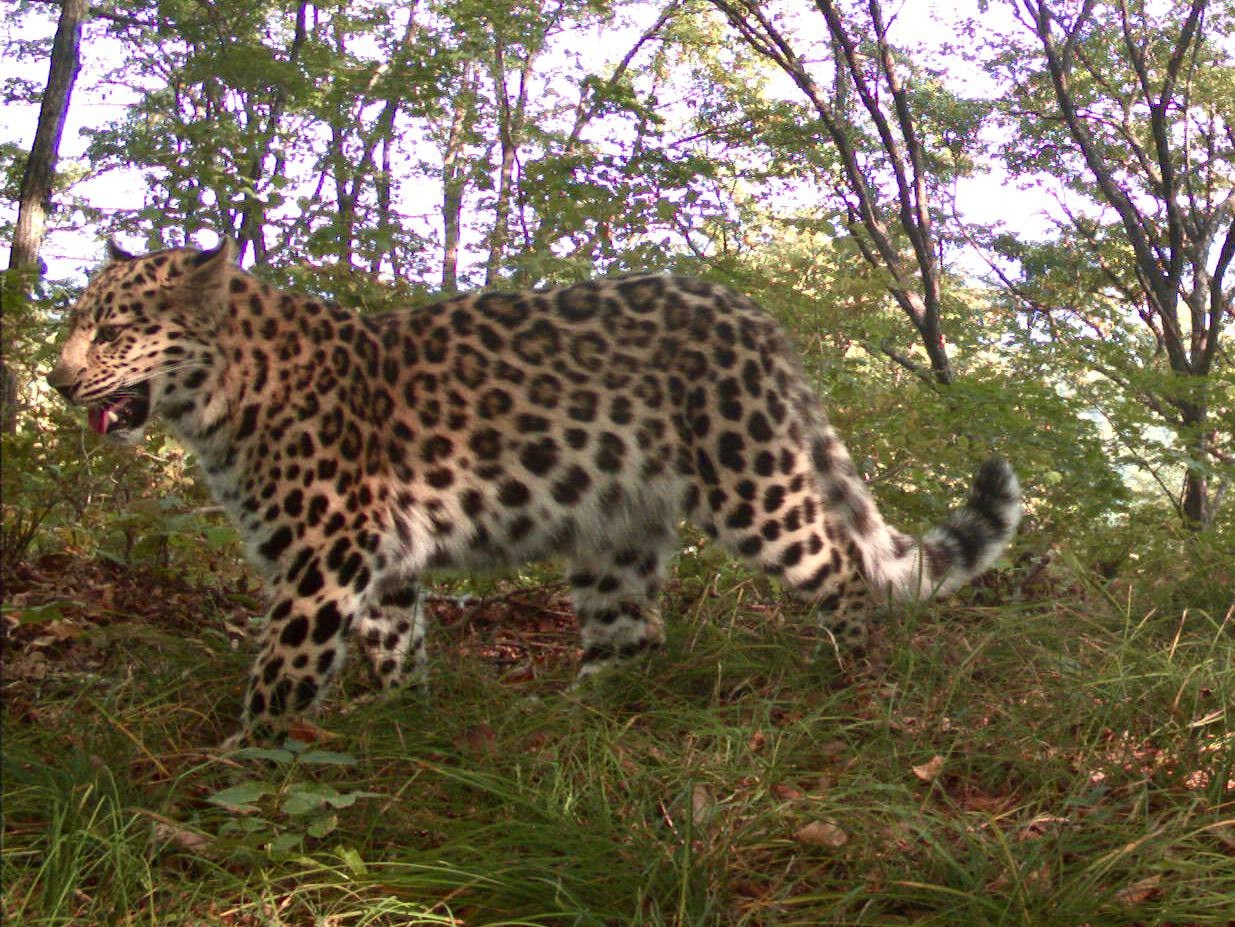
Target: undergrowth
(1059, 760)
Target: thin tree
(877, 228)
(34, 201)
(1163, 165)
(511, 119)
(454, 175)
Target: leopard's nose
(62, 381)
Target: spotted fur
(357, 452)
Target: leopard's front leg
(302, 648)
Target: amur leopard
(355, 452)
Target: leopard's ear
(206, 276)
(116, 254)
(221, 255)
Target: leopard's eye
(105, 333)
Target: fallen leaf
(929, 771)
(31, 667)
(700, 803)
(1139, 891)
(478, 740)
(785, 792)
(525, 672)
(899, 834)
(308, 733)
(56, 632)
(1040, 825)
(182, 837)
(986, 804)
(1038, 879)
(1225, 835)
(821, 834)
(538, 741)
(833, 749)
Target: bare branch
(96, 11)
(917, 294)
(922, 373)
(1221, 301)
(585, 111)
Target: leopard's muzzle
(124, 410)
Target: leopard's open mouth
(123, 410)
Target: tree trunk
(1197, 513)
(253, 217)
(1197, 510)
(383, 184)
(454, 182)
(510, 130)
(1168, 232)
(36, 186)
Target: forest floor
(1061, 755)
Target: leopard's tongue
(100, 418)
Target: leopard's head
(140, 331)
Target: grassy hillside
(1054, 751)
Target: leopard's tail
(968, 541)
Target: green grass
(1068, 761)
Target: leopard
(358, 452)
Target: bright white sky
(992, 198)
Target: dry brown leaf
(478, 740)
(31, 667)
(986, 804)
(1040, 878)
(899, 834)
(1225, 835)
(833, 749)
(1139, 891)
(1040, 825)
(929, 771)
(309, 733)
(700, 803)
(180, 836)
(756, 742)
(538, 741)
(524, 672)
(55, 632)
(785, 792)
(821, 834)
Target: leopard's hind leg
(616, 591)
(392, 634)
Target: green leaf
(252, 825)
(327, 758)
(301, 802)
(353, 861)
(285, 843)
(347, 799)
(323, 825)
(35, 614)
(272, 754)
(242, 796)
(219, 536)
